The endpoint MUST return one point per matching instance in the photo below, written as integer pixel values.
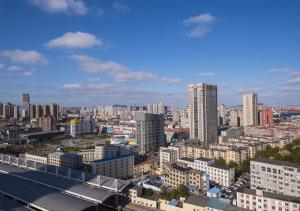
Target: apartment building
(168, 155)
(88, 155)
(256, 199)
(177, 175)
(221, 174)
(68, 160)
(118, 167)
(36, 158)
(275, 176)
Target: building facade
(149, 131)
(203, 113)
(275, 176)
(250, 112)
(67, 160)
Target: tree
(147, 192)
(220, 161)
(232, 164)
(183, 191)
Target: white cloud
(25, 57)
(118, 72)
(294, 81)
(120, 7)
(71, 86)
(61, 6)
(201, 25)
(2, 66)
(75, 40)
(206, 74)
(18, 70)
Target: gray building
(203, 112)
(275, 176)
(149, 131)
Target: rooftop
(187, 159)
(216, 165)
(277, 162)
(271, 195)
(110, 159)
(197, 200)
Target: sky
(101, 52)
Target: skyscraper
(156, 108)
(221, 114)
(250, 112)
(149, 131)
(203, 112)
(25, 105)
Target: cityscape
(183, 130)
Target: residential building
(256, 199)
(221, 174)
(88, 155)
(68, 160)
(203, 114)
(54, 111)
(25, 99)
(118, 167)
(250, 112)
(265, 116)
(156, 108)
(275, 176)
(149, 131)
(221, 114)
(236, 117)
(46, 123)
(177, 174)
(36, 158)
(168, 155)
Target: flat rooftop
(277, 162)
(12, 205)
(271, 195)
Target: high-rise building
(16, 112)
(46, 123)
(149, 131)
(25, 98)
(203, 113)
(39, 111)
(1, 109)
(266, 116)
(33, 112)
(46, 110)
(156, 108)
(221, 114)
(236, 117)
(250, 112)
(54, 110)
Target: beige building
(168, 155)
(135, 195)
(68, 160)
(236, 117)
(143, 167)
(88, 155)
(250, 111)
(36, 158)
(177, 175)
(252, 199)
(203, 112)
(120, 167)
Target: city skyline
(91, 53)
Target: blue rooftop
(217, 204)
(214, 190)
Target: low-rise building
(223, 175)
(275, 176)
(252, 199)
(118, 167)
(36, 158)
(68, 160)
(88, 155)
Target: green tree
(220, 161)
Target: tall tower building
(25, 98)
(250, 112)
(221, 114)
(203, 112)
(54, 110)
(149, 131)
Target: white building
(252, 199)
(168, 155)
(36, 158)
(78, 127)
(203, 114)
(250, 111)
(275, 176)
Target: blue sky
(88, 52)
